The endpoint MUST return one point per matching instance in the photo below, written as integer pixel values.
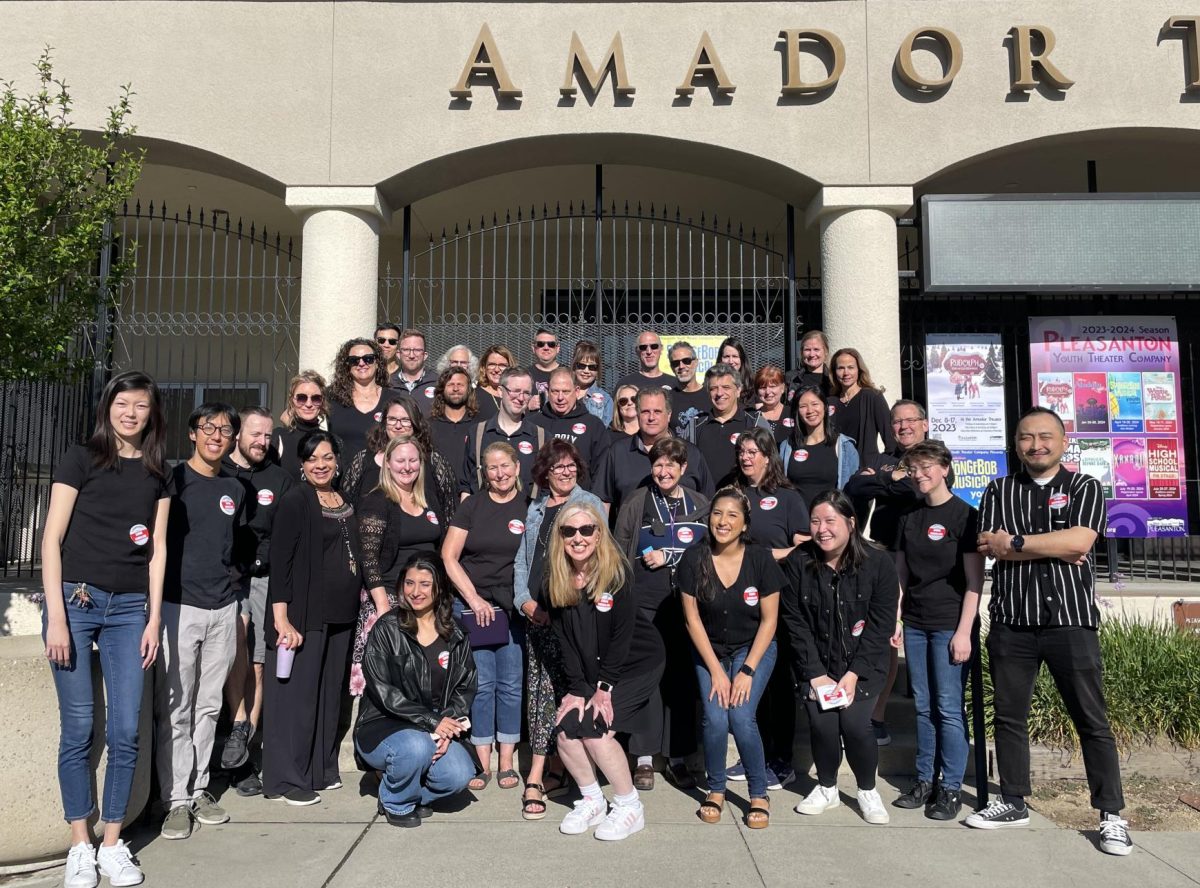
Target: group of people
(486, 553)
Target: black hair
(308, 445)
(856, 547)
(1039, 410)
(443, 601)
(388, 325)
(102, 445)
(706, 578)
(212, 409)
(798, 434)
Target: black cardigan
(296, 562)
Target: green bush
(1151, 685)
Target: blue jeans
(496, 711)
(115, 624)
(741, 720)
(410, 777)
(938, 689)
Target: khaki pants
(197, 650)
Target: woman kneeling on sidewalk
(420, 683)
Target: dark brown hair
(102, 445)
(443, 601)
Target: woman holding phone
(480, 547)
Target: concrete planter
(34, 831)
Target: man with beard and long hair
(453, 412)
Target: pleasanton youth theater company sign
(1030, 47)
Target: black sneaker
(250, 786)
(946, 806)
(237, 747)
(919, 794)
(1114, 835)
(998, 815)
(406, 821)
(297, 798)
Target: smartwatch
(747, 670)
(605, 686)
(1018, 542)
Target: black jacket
(580, 428)
(265, 484)
(822, 618)
(893, 499)
(398, 684)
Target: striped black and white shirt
(1044, 591)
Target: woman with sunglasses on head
(396, 520)
(859, 407)
(613, 660)
(625, 414)
(306, 410)
(557, 472)
(316, 575)
(839, 607)
(492, 365)
(478, 551)
(103, 565)
(941, 575)
(358, 395)
(420, 682)
(733, 353)
(731, 603)
(816, 456)
(588, 369)
(403, 417)
(773, 413)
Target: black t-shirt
(776, 517)
(934, 540)
(205, 513)
(780, 428)
(541, 382)
(494, 532)
(813, 468)
(537, 575)
(352, 425)
(284, 442)
(437, 655)
(450, 438)
(687, 406)
(731, 618)
(107, 542)
(641, 380)
(265, 484)
(416, 533)
(716, 440)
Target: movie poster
(1114, 382)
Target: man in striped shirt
(1040, 525)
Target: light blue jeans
(938, 692)
(411, 777)
(741, 721)
(496, 710)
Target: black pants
(777, 709)
(300, 714)
(677, 689)
(831, 729)
(1072, 654)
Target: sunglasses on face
(683, 362)
(355, 360)
(546, 343)
(383, 340)
(568, 532)
(590, 367)
(625, 402)
(649, 347)
(315, 400)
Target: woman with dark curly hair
(358, 395)
(494, 362)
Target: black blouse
(731, 618)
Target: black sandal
(529, 812)
(758, 817)
(512, 777)
(710, 809)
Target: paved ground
(483, 841)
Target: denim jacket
(847, 457)
(533, 524)
(599, 403)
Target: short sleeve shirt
(776, 517)
(494, 531)
(934, 540)
(731, 618)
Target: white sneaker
(81, 867)
(871, 806)
(622, 822)
(586, 814)
(116, 863)
(820, 800)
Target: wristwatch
(605, 686)
(747, 670)
(1018, 542)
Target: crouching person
(420, 682)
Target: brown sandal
(710, 808)
(759, 815)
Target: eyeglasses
(355, 360)
(210, 428)
(564, 468)
(517, 395)
(315, 400)
(491, 365)
(568, 532)
(398, 422)
(684, 362)
(906, 422)
(412, 351)
(625, 402)
(649, 347)
(746, 451)
(591, 367)
(546, 343)
(383, 340)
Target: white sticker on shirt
(750, 596)
(800, 456)
(140, 534)
(936, 532)
(597, 398)
(1059, 500)
(429, 392)
(858, 628)
(516, 526)
(378, 415)
(578, 428)
(685, 535)
(431, 517)
(444, 659)
(265, 497)
(767, 503)
(733, 438)
(604, 603)
(228, 506)
(525, 447)
(788, 422)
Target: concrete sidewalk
(481, 840)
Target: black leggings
(829, 729)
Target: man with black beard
(452, 414)
(562, 416)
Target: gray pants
(197, 650)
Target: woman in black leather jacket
(420, 682)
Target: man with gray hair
(690, 398)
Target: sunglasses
(567, 532)
(650, 347)
(383, 340)
(625, 402)
(592, 367)
(683, 362)
(315, 400)
(546, 343)
(354, 360)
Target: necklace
(329, 498)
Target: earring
(303, 477)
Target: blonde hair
(389, 485)
(304, 376)
(607, 569)
(506, 449)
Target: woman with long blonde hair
(613, 658)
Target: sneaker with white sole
(117, 865)
(586, 814)
(779, 775)
(871, 807)
(736, 771)
(178, 823)
(820, 800)
(81, 867)
(1114, 835)
(998, 815)
(206, 810)
(622, 822)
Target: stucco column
(860, 286)
(339, 284)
